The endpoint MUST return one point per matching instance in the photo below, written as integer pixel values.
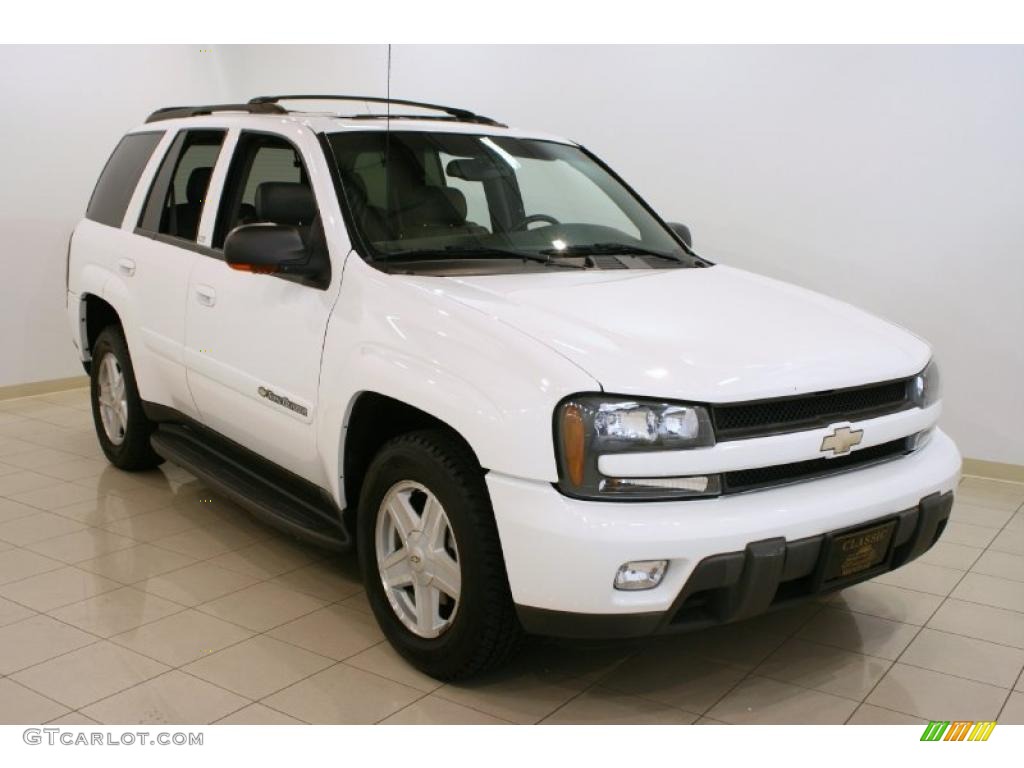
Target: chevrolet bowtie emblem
(841, 440)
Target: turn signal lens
(573, 446)
(256, 269)
(926, 387)
(921, 439)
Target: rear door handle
(126, 267)
(206, 295)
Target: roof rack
(172, 113)
(268, 105)
(454, 113)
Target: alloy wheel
(418, 559)
(113, 399)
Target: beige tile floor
(148, 599)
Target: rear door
(103, 242)
(162, 257)
(254, 342)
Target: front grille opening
(761, 477)
(733, 421)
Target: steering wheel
(526, 221)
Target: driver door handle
(126, 267)
(206, 295)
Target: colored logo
(958, 730)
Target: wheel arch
(95, 314)
(372, 420)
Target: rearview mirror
(269, 249)
(476, 169)
(682, 232)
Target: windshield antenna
(387, 140)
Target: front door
(253, 342)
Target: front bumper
(729, 557)
(767, 574)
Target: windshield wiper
(608, 249)
(472, 252)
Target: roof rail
(172, 113)
(462, 115)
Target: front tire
(431, 559)
(121, 425)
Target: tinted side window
(272, 163)
(259, 159)
(176, 199)
(120, 175)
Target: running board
(270, 493)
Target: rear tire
(478, 629)
(121, 425)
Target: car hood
(716, 334)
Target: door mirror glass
(682, 232)
(268, 249)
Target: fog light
(640, 574)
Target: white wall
(64, 109)
(888, 177)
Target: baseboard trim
(995, 470)
(42, 387)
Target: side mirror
(269, 249)
(682, 232)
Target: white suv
(474, 354)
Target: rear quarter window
(120, 176)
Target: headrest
(436, 206)
(285, 202)
(458, 202)
(356, 187)
(198, 181)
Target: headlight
(588, 426)
(926, 387)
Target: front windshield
(442, 195)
